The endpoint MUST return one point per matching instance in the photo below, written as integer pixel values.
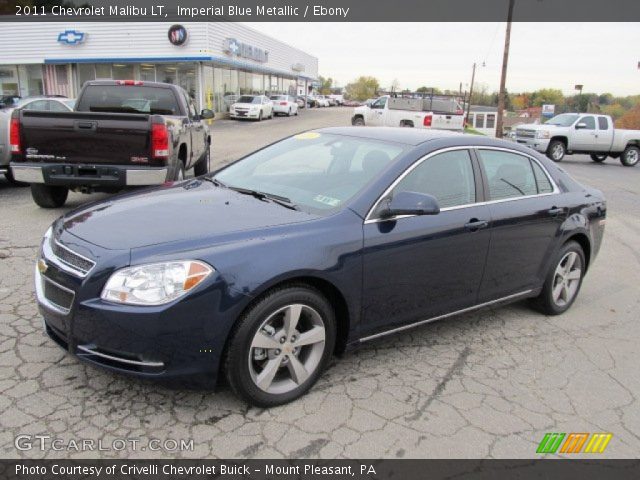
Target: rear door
(604, 135)
(525, 219)
(420, 267)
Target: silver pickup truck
(588, 133)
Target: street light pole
(503, 78)
(473, 77)
(579, 88)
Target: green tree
(325, 85)
(363, 88)
(550, 96)
(436, 90)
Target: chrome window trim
(369, 219)
(446, 315)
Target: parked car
(122, 133)
(322, 101)
(38, 102)
(588, 133)
(410, 112)
(284, 105)
(301, 102)
(255, 107)
(352, 103)
(314, 244)
(338, 99)
(9, 101)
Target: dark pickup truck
(122, 133)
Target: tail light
(427, 120)
(283, 103)
(159, 141)
(129, 82)
(14, 135)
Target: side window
(447, 176)
(491, 120)
(603, 123)
(542, 181)
(57, 107)
(509, 175)
(479, 120)
(40, 105)
(189, 104)
(590, 122)
(380, 103)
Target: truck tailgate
(448, 121)
(78, 137)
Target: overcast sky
(602, 56)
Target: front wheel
(556, 150)
(599, 157)
(260, 116)
(630, 156)
(281, 346)
(49, 196)
(202, 167)
(563, 280)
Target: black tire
(13, 181)
(358, 122)
(545, 302)
(599, 157)
(238, 370)
(48, 196)
(202, 167)
(260, 116)
(296, 114)
(289, 112)
(630, 156)
(556, 150)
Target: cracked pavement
(487, 384)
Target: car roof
(408, 136)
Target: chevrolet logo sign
(71, 37)
(42, 266)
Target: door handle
(474, 225)
(555, 211)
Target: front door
(420, 267)
(525, 218)
(584, 137)
(375, 113)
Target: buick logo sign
(177, 35)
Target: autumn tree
(363, 88)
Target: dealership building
(213, 62)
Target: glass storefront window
(167, 73)
(103, 71)
(188, 78)
(86, 73)
(122, 71)
(147, 72)
(8, 81)
(35, 81)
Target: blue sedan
(263, 270)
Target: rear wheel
(599, 157)
(358, 122)
(281, 346)
(289, 112)
(49, 196)
(563, 280)
(630, 156)
(202, 166)
(556, 150)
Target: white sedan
(255, 107)
(284, 105)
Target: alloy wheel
(557, 152)
(566, 279)
(632, 157)
(287, 348)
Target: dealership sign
(244, 50)
(71, 37)
(548, 110)
(177, 35)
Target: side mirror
(207, 114)
(410, 203)
(581, 125)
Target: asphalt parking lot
(485, 384)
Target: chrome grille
(71, 259)
(525, 133)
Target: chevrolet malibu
(261, 271)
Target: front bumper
(93, 175)
(181, 340)
(252, 115)
(538, 144)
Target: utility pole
(473, 77)
(503, 79)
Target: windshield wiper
(213, 180)
(280, 200)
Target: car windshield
(317, 172)
(249, 99)
(564, 120)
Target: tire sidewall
(623, 157)
(550, 149)
(547, 290)
(237, 366)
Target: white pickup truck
(588, 133)
(442, 113)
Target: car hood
(175, 212)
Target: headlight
(156, 283)
(543, 134)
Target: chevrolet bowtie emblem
(42, 266)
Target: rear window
(278, 97)
(128, 99)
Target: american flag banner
(57, 80)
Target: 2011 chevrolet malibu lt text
(261, 271)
